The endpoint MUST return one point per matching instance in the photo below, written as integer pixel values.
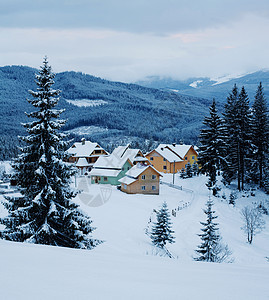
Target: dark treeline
(237, 144)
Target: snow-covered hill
(125, 267)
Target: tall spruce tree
(244, 139)
(237, 129)
(231, 130)
(260, 137)
(212, 147)
(46, 214)
(161, 232)
(210, 237)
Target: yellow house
(171, 158)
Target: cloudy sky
(129, 40)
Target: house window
(128, 168)
(122, 168)
(186, 158)
(153, 187)
(164, 159)
(164, 167)
(105, 178)
(193, 157)
(143, 187)
(153, 176)
(125, 186)
(143, 177)
(151, 158)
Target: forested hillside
(114, 112)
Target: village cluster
(133, 171)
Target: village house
(109, 169)
(172, 158)
(84, 154)
(141, 179)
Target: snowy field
(125, 267)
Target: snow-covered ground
(124, 267)
(86, 102)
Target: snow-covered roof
(110, 162)
(138, 169)
(120, 150)
(104, 172)
(167, 154)
(173, 152)
(127, 180)
(82, 162)
(180, 150)
(83, 149)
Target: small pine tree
(46, 213)
(182, 173)
(209, 237)
(161, 232)
(195, 169)
(188, 170)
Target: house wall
(148, 182)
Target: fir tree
(161, 233)
(195, 169)
(212, 146)
(237, 131)
(210, 237)
(189, 173)
(231, 130)
(46, 213)
(260, 136)
(243, 140)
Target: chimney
(83, 140)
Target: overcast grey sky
(128, 40)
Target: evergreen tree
(237, 130)
(182, 173)
(161, 233)
(231, 131)
(195, 169)
(188, 170)
(260, 136)
(210, 237)
(212, 146)
(46, 213)
(243, 140)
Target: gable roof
(138, 169)
(167, 154)
(118, 158)
(172, 152)
(111, 162)
(83, 149)
(180, 150)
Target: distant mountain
(104, 111)
(211, 88)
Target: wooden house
(141, 179)
(171, 158)
(84, 154)
(109, 169)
